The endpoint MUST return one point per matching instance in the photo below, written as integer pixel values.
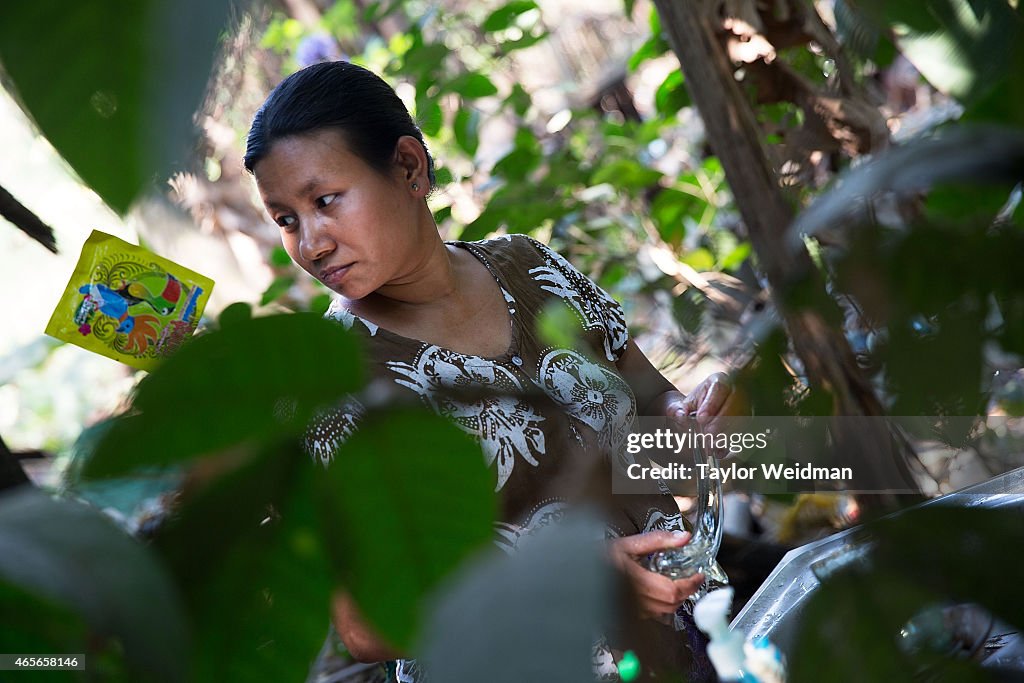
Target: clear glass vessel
(698, 556)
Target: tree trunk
(736, 139)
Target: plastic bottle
(725, 649)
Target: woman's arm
(655, 395)
(653, 392)
(360, 640)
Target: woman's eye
(321, 202)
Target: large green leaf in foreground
(71, 557)
(253, 380)
(965, 48)
(406, 500)
(246, 553)
(543, 606)
(850, 629)
(113, 85)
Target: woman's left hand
(711, 398)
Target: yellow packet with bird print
(127, 303)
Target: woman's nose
(315, 242)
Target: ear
(411, 163)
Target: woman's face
(345, 223)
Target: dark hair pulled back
(337, 95)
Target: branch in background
(695, 32)
(26, 221)
(850, 123)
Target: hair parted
(337, 95)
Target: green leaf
(466, 127)
(254, 379)
(655, 46)
(699, 259)
(443, 176)
(277, 288)
(483, 225)
(428, 113)
(424, 61)
(735, 258)
(518, 163)
(120, 112)
(320, 303)
(528, 40)
(521, 208)
(238, 312)
(376, 11)
(990, 537)
(74, 557)
(625, 173)
(248, 556)
(504, 16)
(963, 47)
(473, 85)
(1004, 103)
(688, 309)
(613, 274)
(965, 204)
(917, 347)
(934, 320)
(279, 257)
(669, 209)
(857, 32)
(556, 593)
(558, 326)
(519, 99)
(42, 625)
(849, 629)
(341, 20)
(380, 502)
(671, 95)
(442, 214)
(968, 154)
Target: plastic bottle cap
(629, 666)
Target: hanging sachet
(127, 303)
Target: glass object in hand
(697, 556)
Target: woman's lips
(333, 276)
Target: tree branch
(735, 137)
(26, 221)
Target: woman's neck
(432, 279)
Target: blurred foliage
(931, 556)
(261, 539)
(65, 566)
(129, 77)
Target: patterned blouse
(549, 411)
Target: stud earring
(415, 187)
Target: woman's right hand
(361, 641)
(658, 596)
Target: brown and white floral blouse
(545, 409)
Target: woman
(344, 171)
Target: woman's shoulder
(339, 312)
(526, 255)
(515, 245)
